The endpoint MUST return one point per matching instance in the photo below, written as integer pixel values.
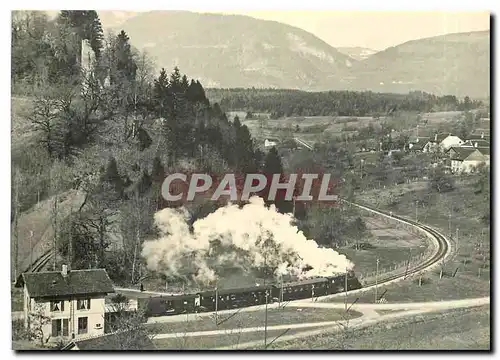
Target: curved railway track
(442, 251)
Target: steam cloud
(249, 237)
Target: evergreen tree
(112, 177)
(272, 166)
(157, 177)
(161, 94)
(123, 66)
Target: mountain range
(240, 51)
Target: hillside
(236, 51)
(455, 64)
(357, 53)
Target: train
(225, 299)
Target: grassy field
(210, 342)
(472, 259)
(457, 329)
(250, 319)
(393, 247)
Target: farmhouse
(65, 303)
(466, 159)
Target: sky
(374, 30)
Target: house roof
(419, 145)
(478, 137)
(77, 282)
(461, 153)
(272, 139)
(441, 137)
(483, 150)
(121, 340)
(413, 139)
(480, 142)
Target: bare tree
(37, 322)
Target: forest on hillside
(280, 103)
(112, 131)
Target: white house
(466, 159)
(65, 304)
(270, 142)
(442, 142)
(449, 141)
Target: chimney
(475, 144)
(482, 135)
(64, 271)
(435, 137)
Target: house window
(82, 325)
(83, 304)
(60, 327)
(57, 306)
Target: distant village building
(466, 159)
(72, 300)
(417, 144)
(442, 142)
(476, 143)
(270, 142)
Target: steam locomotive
(225, 299)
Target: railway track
(41, 262)
(442, 251)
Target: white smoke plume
(232, 237)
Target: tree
(273, 166)
(37, 322)
(157, 177)
(440, 181)
(17, 189)
(129, 326)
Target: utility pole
(216, 305)
(457, 236)
(345, 289)
(280, 299)
(31, 250)
(416, 210)
(449, 224)
(265, 322)
(376, 281)
(267, 294)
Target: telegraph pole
(345, 289)
(376, 281)
(449, 224)
(31, 250)
(266, 293)
(457, 236)
(265, 322)
(416, 210)
(216, 305)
